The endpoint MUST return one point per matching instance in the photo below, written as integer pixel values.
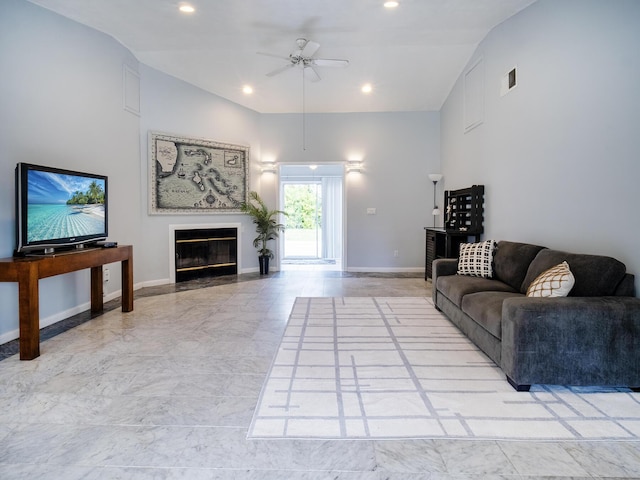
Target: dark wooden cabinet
(443, 244)
(463, 221)
(435, 248)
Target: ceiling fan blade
(311, 74)
(329, 62)
(279, 70)
(273, 55)
(309, 49)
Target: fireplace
(205, 252)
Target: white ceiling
(412, 55)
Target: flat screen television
(58, 209)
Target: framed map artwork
(194, 175)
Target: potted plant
(267, 227)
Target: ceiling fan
(303, 56)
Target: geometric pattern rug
(395, 367)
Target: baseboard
(385, 269)
(251, 270)
(59, 316)
(50, 320)
(152, 283)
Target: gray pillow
(511, 261)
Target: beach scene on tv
(61, 206)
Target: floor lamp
(435, 178)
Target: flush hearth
(207, 252)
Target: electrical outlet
(395, 253)
(106, 275)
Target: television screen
(57, 207)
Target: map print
(190, 175)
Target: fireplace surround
(204, 250)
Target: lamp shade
(435, 177)
(436, 211)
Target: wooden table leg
(29, 311)
(127, 284)
(97, 301)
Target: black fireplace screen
(206, 253)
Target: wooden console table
(27, 271)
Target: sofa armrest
(445, 266)
(440, 268)
(571, 341)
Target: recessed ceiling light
(390, 4)
(247, 89)
(367, 88)
(186, 8)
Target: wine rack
(464, 210)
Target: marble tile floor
(168, 391)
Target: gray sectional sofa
(590, 337)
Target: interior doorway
(312, 197)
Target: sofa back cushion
(626, 287)
(595, 275)
(511, 262)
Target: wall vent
(508, 82)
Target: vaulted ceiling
(411, 55)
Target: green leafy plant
(267, 226)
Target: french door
(303, 232)
(312, 196)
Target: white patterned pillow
(555, 282)
(476, 259)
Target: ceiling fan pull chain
(303, 57)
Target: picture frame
(196, 176)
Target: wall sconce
(268, 167)
(435, 178)
(354, 166)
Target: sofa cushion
(595, 275)
(511, 261)
(554, 282)
(485, 308)
(455, 287)
(476, 259)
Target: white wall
(398, 151)
(61, 104)
(172, 106)
(559, 153)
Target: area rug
(386, 368)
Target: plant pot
(264, 264)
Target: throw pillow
(555, 282)
(476, 259)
